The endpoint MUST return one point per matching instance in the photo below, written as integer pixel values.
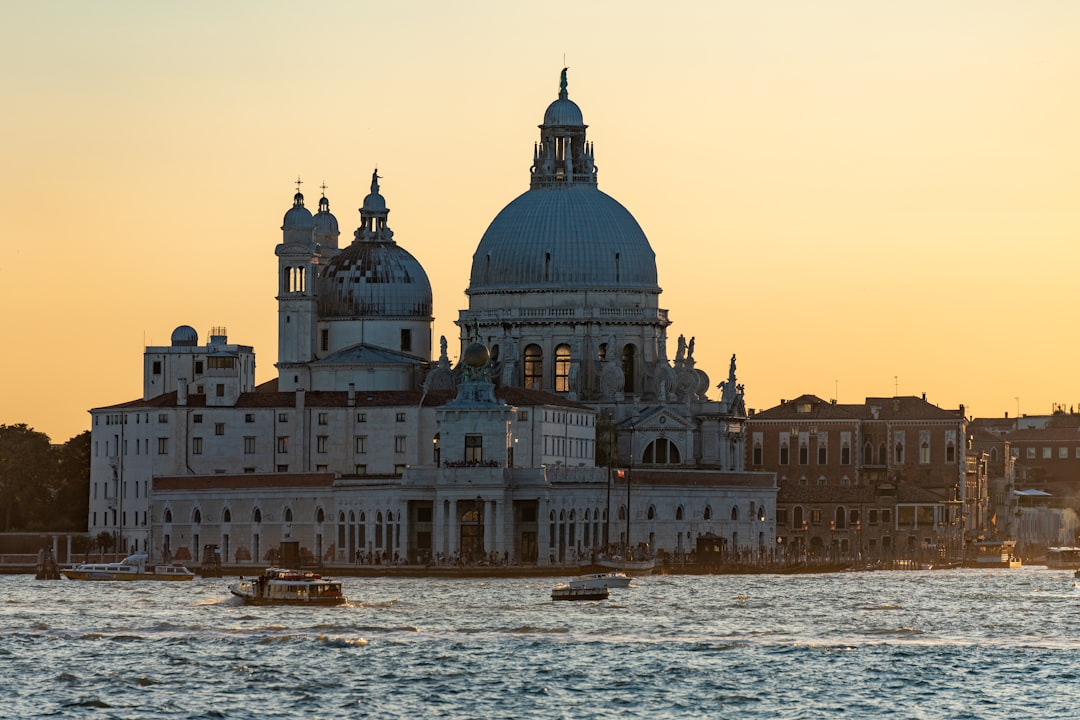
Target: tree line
(43, 487)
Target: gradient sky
(857, 198)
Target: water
(935, 644)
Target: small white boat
(630, 567)
(613, 579)
(278, 586)
(133, 567)
(566, 592)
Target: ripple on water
(927, 645)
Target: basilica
(563, 430)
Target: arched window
(899, 452)
(678, 513)
(226, 515)
(840, 518)
(797, 520)
(562, 368)
(734, 512)
(652, 513)
(883, 455)
(534, 367)
(288, 514)
(196, 517)
(319, 517)
(168, 516)
(708, 512)
(628, 365)
(868, 454)
(256, 517)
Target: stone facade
(564, 428)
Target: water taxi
(278, 586)
(133, 567)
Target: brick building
(888, 478)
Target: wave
(342, 642)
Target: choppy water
(936, 644)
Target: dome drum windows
(562, 368)
(534, 367)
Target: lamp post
(629, 476)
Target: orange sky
(856, 198)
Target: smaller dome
(298, 216)
(563, 111)
(185, 336)
(476, 354)
(325, 222)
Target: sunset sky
(857, 198)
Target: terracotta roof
(888, 409)
(267, 395)
(819, 410)
(1047, 434)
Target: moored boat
(278, 586)
(133, 567)
(994, 554)
(613, 579)
(1063, 557)
(566, 592)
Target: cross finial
(299, 182)
(323, 188)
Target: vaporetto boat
(133, 567)
(278, 586)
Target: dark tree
(72, 484)
(26, 475)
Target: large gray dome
(374, 279)
(567, 237)
(563, 233)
